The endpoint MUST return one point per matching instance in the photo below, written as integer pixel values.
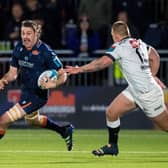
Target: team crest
(35, 52)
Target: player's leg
(4, 120)
(162, 120)
(35, 119)
(65, 130)
(13, 114)
(123, 103)
(30, 104)
(156, 106)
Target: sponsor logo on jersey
(26, 64)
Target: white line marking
(56, 151)
(123, 135)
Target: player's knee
(33, 119)
(1, 121)
(43, 120)
(2, 133)
(165, 129)
(4, 121)
(110, 114)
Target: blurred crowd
(84, 25)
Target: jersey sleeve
(52, 61)
(112, 52)
(14, 58)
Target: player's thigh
(14, 113)
(162, 120)
(120, 105)
(31, 103)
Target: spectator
(156, 34)
(123, 16)
(100, 13)
(71, 9)
(54, 19)
(33, 8)
(47, 34)
(82, 40)
(13, 25)
(141, 12)
(2, 21)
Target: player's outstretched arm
(10, 76)
(94, 65)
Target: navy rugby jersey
(31, 63)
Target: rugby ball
(52, 74)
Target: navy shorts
(31, 102)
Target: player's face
(29, 37)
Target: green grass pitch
(37, 148)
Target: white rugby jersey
(132, 56)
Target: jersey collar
(35, 47)
(125, 38)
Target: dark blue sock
(55, 126)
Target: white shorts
(152, 102)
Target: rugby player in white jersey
(139, 64)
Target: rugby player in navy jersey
(139, 64)
(30, 58)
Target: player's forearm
(61, 79)
(96, 65)
(9, 77)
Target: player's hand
(161, 84)
(47, 83)
(72, 69)
(3, 82)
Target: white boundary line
(67, 152)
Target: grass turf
(39, 148)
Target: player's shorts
(152, 102)
(31, 102)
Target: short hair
(121, 28)
(32, 24)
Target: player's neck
(35, 44)
(125, 37)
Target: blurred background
(79, 31)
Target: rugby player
(139, 64)
(30, 58)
